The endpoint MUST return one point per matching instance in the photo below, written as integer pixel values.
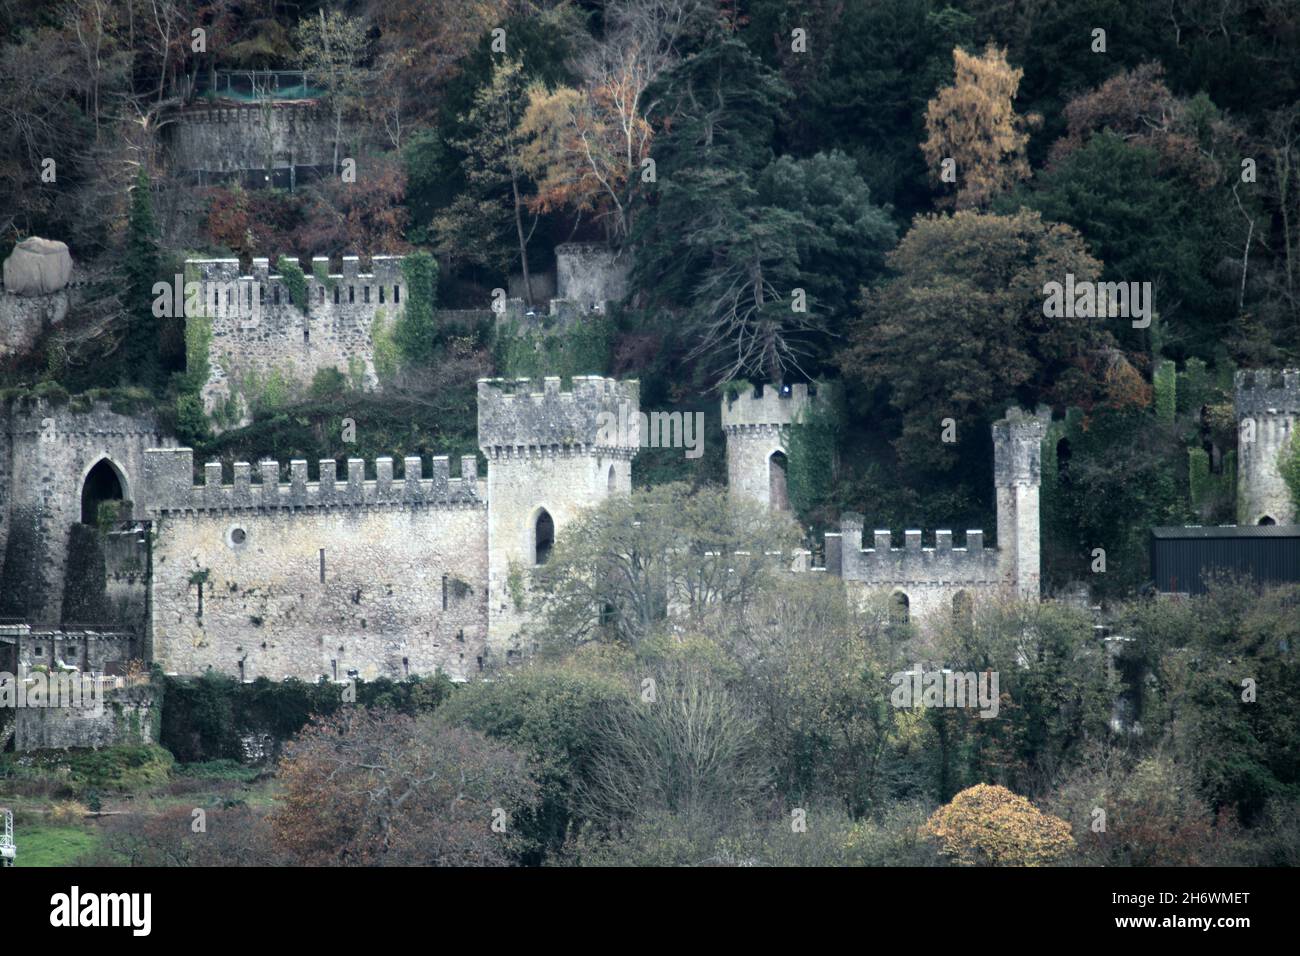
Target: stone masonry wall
(545, 451)
(589, 274)
(1271, 400)
(931, 578)
(231, 138)
(238, 578)
(129, 716)
(258, 333)
(50, 450)
(756, 426)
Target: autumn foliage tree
(974, 124)
(991, 826)
(376, 788)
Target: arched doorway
(1267, 520)
(103, 483)
(612, 481)
(776, 471)
(543, 537)
(900, 609)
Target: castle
(395, 568)
(111, 551)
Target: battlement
(513, 415)
(80, 417)
(1017, 446)
(769, 405)
(884, 564)
(1267, 392)
(228, 293)
(252, 113)
(169, 487)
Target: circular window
(236, 536)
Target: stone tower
(757, 424)
(551, 455)
(1267, 404)
(58, 463)
(1017, 476)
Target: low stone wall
(129, 716)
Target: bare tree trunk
(519, 230)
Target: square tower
(551, 455)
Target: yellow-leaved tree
(988, 825)
(976, 139)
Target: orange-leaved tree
(988, 825)
(972, 123)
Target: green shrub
(295, 282)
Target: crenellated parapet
(598, 416)
(169, 486)
(229, 293)
(1267, 392)
(883, 565)
(259, 334)
(1267, 404)
(1017, 447)
(767, 406)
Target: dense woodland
(743, 155)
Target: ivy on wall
(811, 462)
(295, 281)
(581, 349)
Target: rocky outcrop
(37, 267)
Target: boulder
(37, 267)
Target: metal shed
(1183, 558)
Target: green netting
(297, 92)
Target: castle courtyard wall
(401, 591)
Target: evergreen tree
(141, 267)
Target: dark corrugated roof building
(1183, 559)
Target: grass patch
(50, 845)
(79, 772)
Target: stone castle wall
(129, 716)
(545, 451)
(757, 425)
(1017, 478)
(931, 578)
(1271, 400)
(590, 274)
(258, 333)
(218, 142)
(45, 454)
(240, 579)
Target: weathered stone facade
(545, 456)
(255, 144)
(47, 451)
(590, 274)
(129, 715)
(1017, 477)
(259, 334)
(757, 425)
(1267, 407)
(338, 577)
(922, 582)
